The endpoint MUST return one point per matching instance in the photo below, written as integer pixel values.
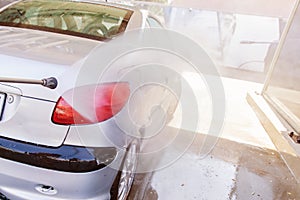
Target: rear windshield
(94, 21)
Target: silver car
(65, 140)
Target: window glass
(94, 21)
(153, 23)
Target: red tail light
(90, 104)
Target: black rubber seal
(64, 158)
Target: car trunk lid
(27, 109)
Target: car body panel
(33, 124)
(44, 46)
(105, 134)
(17, 185)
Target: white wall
(274, 8)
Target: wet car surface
(42, 153)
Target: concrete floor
(242, 165)
(240, 123)
(231, 171)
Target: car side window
(153, 23)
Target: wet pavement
(231, 171)
(243, 164)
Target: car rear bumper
(20, 181)
(29, 171)
(64, 158)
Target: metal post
(280, 46)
